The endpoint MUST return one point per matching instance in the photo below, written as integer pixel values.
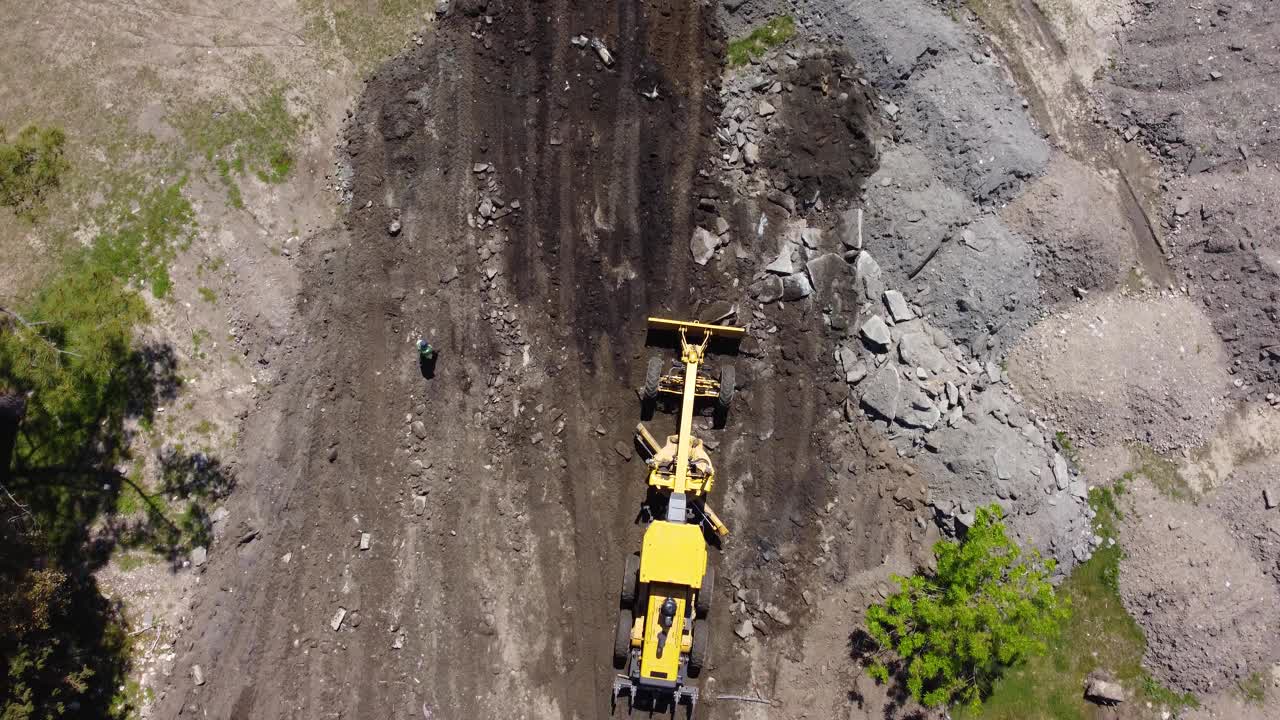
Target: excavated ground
(524, 206)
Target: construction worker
(426, 353)
(426, 358)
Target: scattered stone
(365, 540)
(1199, 164)
(1270, 499)
(398, 642)
(535, 438)
(1182, 207)
(1215, 75)
(449, 274)
(197, 675)
(722, 226)
(796, 286)
(1103, 692)
(778, 615)
(824, 270)
(419, 504)
(920, 413)
(867, 276)
(917, 350)
(717, 312)
(745, 630)
(199, 555)
(751, 153)
(881, 392)
(765, 109)
(783, 264)
(898, 308)
(338, 617)
(890, 110)
(768, 289)
(703, 245)
(420, 429)
(876, 334)
(394, 228)
(1061, 474)
(623, 450)
(603, 52)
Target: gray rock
(449, 274)
(1182, 207)
(868, 277)
(765, 109)
(1269, 498)
(717, 312)
(1061, 474)
(1103, 692)
(199, 555)
(1079, 488)
(768, 289)
(824, 271)
(952, 393)
(778, 615)
(722, 226)
(220, 515)
(914, 416)
(751, 153)
(745, 630)
(703, 245)
(890, 110)
(732, 5)
(785, 263)
(366, 540)
(917, 350)
(876, 334)
(846, 357)
(898, 308)
(394, 228)
(419, 430)
(197, 675)
(881, 392)
(796, 286)
(336, 621)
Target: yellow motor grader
(663, 636)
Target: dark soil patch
(826, 148)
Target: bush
(30, 166)
(952, 632)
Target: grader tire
(700, 652)
(703, 602)
(652, 376)
(726, 387)
(622, 639)
(630, 581)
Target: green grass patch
(770, 35)
(207, 295)
(366, 33)
(31, 164)
(1161, 472)
(130, 561)
(142, 228)
(1068, 448)
(1253, 689)
(257, 139)
(1100, 634)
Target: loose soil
(500, 494)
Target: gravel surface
(1196, 83)
(1208, 607)
(1118, 369)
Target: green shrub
(30, 166)
(953, 632)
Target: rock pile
(958, 418)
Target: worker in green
(426, 358)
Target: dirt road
(523, 204)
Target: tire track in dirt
(507, 606)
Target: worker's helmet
(422, 343)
